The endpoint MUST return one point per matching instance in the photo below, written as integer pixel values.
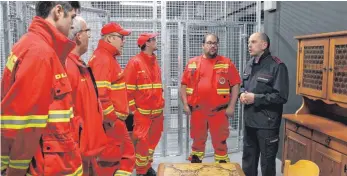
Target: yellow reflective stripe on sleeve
(142, 158)
(21, 122)
(147, 112)
(3, 167)
(4, 162)
(223, 91)
(122, 173)
(11, 60)
(60, 115)
(118, 86)
(144, 86)
(221, 66)
(150, 151)
(131, 102)
(141, 164)
(78, 172)
(131, 87)
(189, 91)
(108, 110)
(20, 164)
(103, 84)
(157, 86)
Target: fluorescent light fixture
(129, 3)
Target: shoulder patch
(192, 65)
(277, 60)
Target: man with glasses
(87, 120)
(209, 91)
(145, 93)
(119, 154)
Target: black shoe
(151, 172)
(195, 159)
(222, 161)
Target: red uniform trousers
(218, 124)
(146, 134)
(118, 157)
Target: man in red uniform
(89, 132)
(145, 93)
(119, 155)
(209, 91)
(36, 98)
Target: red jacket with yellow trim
(225, 75)
(110, 82)
(36, 97)
(87, 108)
(144, 85)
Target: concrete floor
(235, 157)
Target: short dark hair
(266, 38)
(43, 8)
(206, 35)
(143, 47)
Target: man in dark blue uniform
(263, 92)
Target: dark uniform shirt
(268, 80)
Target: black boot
(196, 159)
(151, 172)
(222, 161)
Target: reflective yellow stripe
(189, 90)
(20, 164)
(221, 66)
(108, 110)
(147, 112)
(131, 87)
(151, 151)
(78, 172)
(131, 102)
(142, 158)
(192, 65)
(21, 122)
(122, 173)
(220, 156)
(11, 60)
(121, 116)
(3, 167)
(223, 91)
(60, 115)
(4, 162)
(138, 163)
(157, 86)
(144, 86)
(103, 84)
(119, 86)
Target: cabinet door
(296, 147)
(344, 166)
(329, 161)
(313, 74)
(337, 89)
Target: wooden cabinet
(322, 66)
(318, 129)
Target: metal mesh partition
(181, 25)
(2, 38)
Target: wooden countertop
(321, 124)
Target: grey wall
(300, 18)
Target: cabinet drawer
(299, 129)
(330, 142)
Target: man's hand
(243, 98)
(186, 110)
(248, 97)
(230, 111)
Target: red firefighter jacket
(110, 82)
(35, 97)
(144, 86)
(87, 110)
(224, 76)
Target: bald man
(87, 120)
(263, 92)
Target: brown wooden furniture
(199, 169)
(318, 130)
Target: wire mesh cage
(181, 26)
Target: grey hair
(76, 27)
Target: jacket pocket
(271, 146)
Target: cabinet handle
(331, 69)
(325, 69)
(345, 168)
(297, 128)
(327, 141)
